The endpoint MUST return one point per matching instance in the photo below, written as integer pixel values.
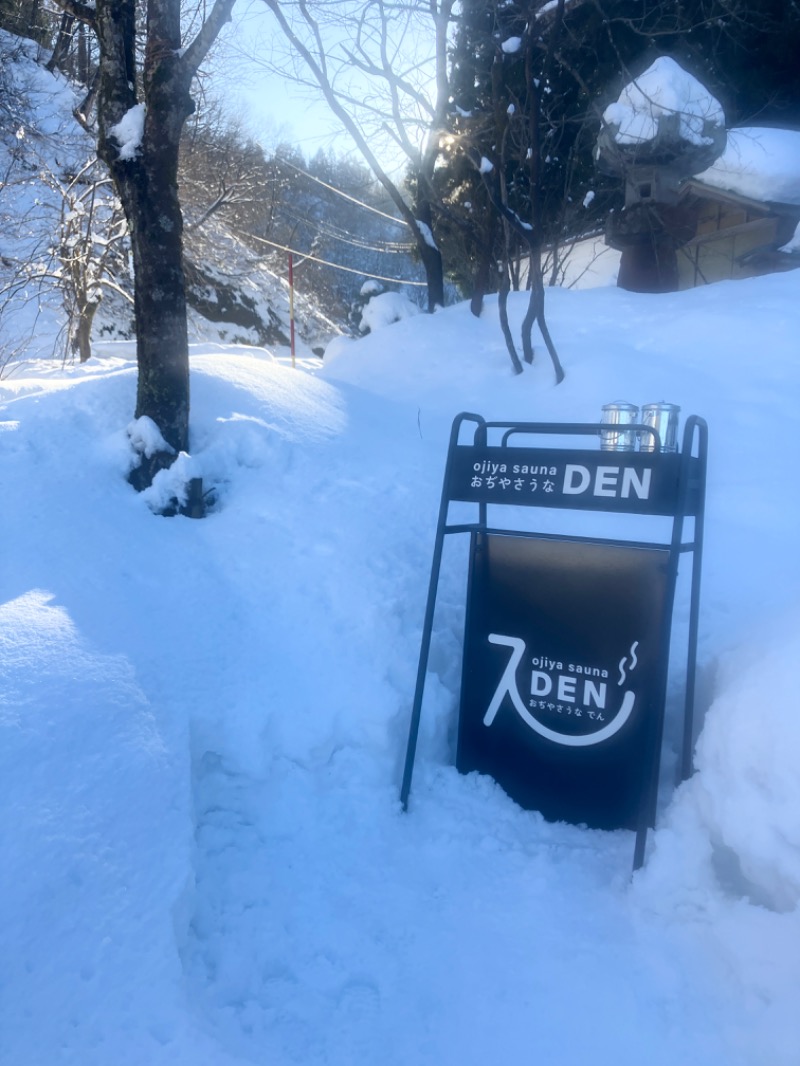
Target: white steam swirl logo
(634, 661)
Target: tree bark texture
(146, 179)
(61, 48)
(145, 175)
(82, 341)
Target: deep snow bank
(202, 722)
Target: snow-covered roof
(760, 163)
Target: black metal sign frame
(493, 467)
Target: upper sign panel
(628, 482)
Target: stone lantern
(664, 127)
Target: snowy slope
(234, 294)
(203, 722)
(40, 143)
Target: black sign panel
(631, 482)
(563, 675)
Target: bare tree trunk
(33, 18)
(532, 236)
(142, 157)
(430, 256)
(83, 55)
(502, 306)
(535, 313)
(486, 264)
(146, 180)
(66, 29)
(82, 342)
(162, 345)
(536, 300)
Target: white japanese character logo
(508, 684)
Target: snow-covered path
(203, 724)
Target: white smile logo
(508, 685)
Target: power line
(336, 266)
(338, 233)
(346, 196)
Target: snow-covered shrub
(384, 309)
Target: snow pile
(371, 288)
(146, 438)
(761, 163)
(385, 309)
(665, 95)
(128, 132)
(793, 244)
(93, 776)
(426, 233)
(748, 790)
(511, 45)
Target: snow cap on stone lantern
(664, 119)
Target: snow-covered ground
(202, 723)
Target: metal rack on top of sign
(567, 637)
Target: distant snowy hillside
(40, 145)
(234, 295)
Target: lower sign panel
(563, 676)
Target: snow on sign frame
(568, 635)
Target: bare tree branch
(197, 51)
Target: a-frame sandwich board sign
(567, 635)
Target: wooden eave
(712, 192)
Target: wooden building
(676, 234)
(733, 236)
